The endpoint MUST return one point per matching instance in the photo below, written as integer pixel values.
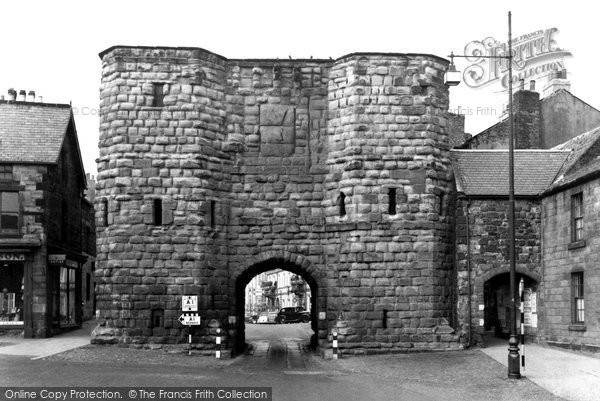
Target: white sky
(52, 46)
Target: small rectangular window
(392, 201)
(105, 212)
(158, 91)
(577, 217)
(6, 172)
(577, 300)
(212, 214)
(9, 212)
(157, 212)
(342, 204)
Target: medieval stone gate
(212, 170)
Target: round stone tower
(387, 199)
(161, 176)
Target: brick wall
(562, 258)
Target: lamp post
(452, 78)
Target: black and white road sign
(190, 319)
(189, 303)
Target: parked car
(263, 317)
(293, 314)
(251, 318)
(267, 317)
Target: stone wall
(562, 258)
(249, 159)
(484, 245)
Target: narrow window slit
(342, 204)
(157, 212)
(392, 201)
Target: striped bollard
(335, 345)
(190, 342)
(522, 308)
(218, 340)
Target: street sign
(190, 319)
(189, 303)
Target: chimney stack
(22, 96)
(532, 85)
(521, 84)
(557, 80)
(31, 96)
(12, 94)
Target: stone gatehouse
(213, 170)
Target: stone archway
(492, 291)
(293, 263)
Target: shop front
(65, 289)
(12, 289)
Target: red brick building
(46, 226)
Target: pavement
(37, 348)
(566, 374)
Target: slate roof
(485, 172)
(583, 160)
(32, 132)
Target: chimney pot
(532, 85)
(31, 96)
(563, 73)
(40, 99)
(521, 84)
(22, 96)
(1, 97)
(12, 94)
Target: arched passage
(299, 267)
(495, 297)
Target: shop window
(6, 173)
(158, 90)
(67, 295)
(392, 201)
(342, 204)
(11, 293)
(157, 212)
(577, 217)
(577, 304)
(9, 212)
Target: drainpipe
(468, 257)
(469, 267)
